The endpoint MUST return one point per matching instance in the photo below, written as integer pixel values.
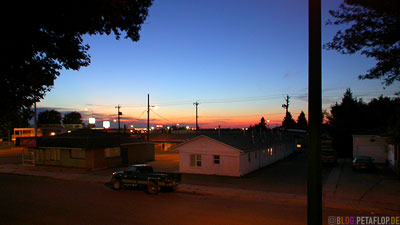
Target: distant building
(163, 141)
(24, 132)
(90, 149)
(232, 154)
(57, 129)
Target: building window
(77, 153)
(52, 154)
(195, 160)
(249, 156)
(216, 159)
(112, 152)
(270, 151)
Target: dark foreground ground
(39, 200)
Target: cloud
(290, 74)
(287, 75)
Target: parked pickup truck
(142, 175)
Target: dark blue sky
(238, 58)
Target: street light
(87, 109)
(148, 116)
(91, 120)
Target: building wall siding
(233, 162)
(370, 145)
(207, 148)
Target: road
(40, 200)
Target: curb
(241, 193)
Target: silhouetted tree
(374, 31)
(19, 119)
(302, 121)
(49, 117)
(43, 38)
(288, 121)
(72, 118)
(260, 127)
(345, 119)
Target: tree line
(380, 116)
(55, 117)
(288, 123)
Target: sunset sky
(238, 59)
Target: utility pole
(286, 106)
(148, 117)
(197, 117)
(314, 183)
(119, 113)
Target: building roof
(245, 143)
(88, 139)
(174, 137)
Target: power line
(161, 116)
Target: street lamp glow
(106, 124)
(187, 127)
(92, 120)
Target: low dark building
(91, 149)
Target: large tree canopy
(353, 116)
(72, 118)
(40, 38)
(374, 32)
(49, 117)
(302, 121)
(288, 122)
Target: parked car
(364, 163)
(142, 175)
(329, 156)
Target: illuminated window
(216, 159)
(270, 151)
(195, 160)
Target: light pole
(87, 109)
(91, 120)
(119, 114)
(148, 116)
